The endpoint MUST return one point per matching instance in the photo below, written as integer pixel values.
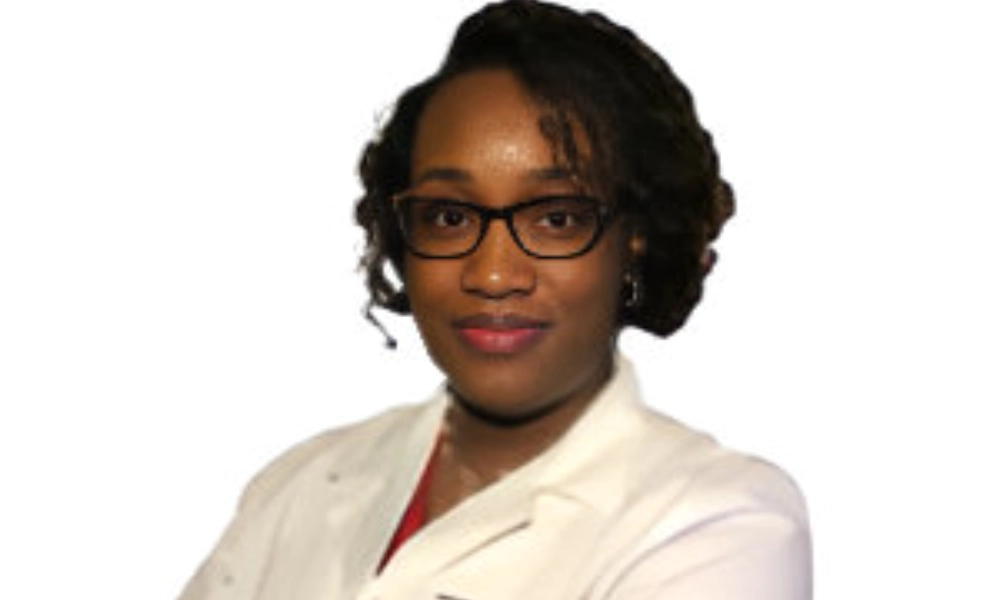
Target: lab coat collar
(567, 469)
(553, 489)
(343, 521)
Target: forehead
(477, 115)
(483, 120)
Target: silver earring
(633, 291)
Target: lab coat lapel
(478, 521)
(402, 457)
(340, 525)
(476, 563)
(561, 494)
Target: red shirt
(415, 516)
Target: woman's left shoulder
(695, 468)
(702, 520)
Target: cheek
(591, 289)
(430, 285)
(423, 275)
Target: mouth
(503, 334)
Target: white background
(179, 302)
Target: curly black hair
(649, 156)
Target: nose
(498, 268)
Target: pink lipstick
(503, 334)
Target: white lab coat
(628, 505)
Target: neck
(490, 446)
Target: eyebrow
(452, 174)
(553, 174)
(443, 174)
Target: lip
(500, 334)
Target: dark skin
(478, 141)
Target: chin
(505, 410)
(497, 389)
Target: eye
(444, 216)
(561, 215)
(447, 216)
(559, 219)
(440, 215)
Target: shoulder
(709, 521)
(664, 466)
(713, 472)
(700, 479)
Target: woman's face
(516, 336)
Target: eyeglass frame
(605, 215)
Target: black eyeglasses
(546, 227)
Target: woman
(549, 186)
